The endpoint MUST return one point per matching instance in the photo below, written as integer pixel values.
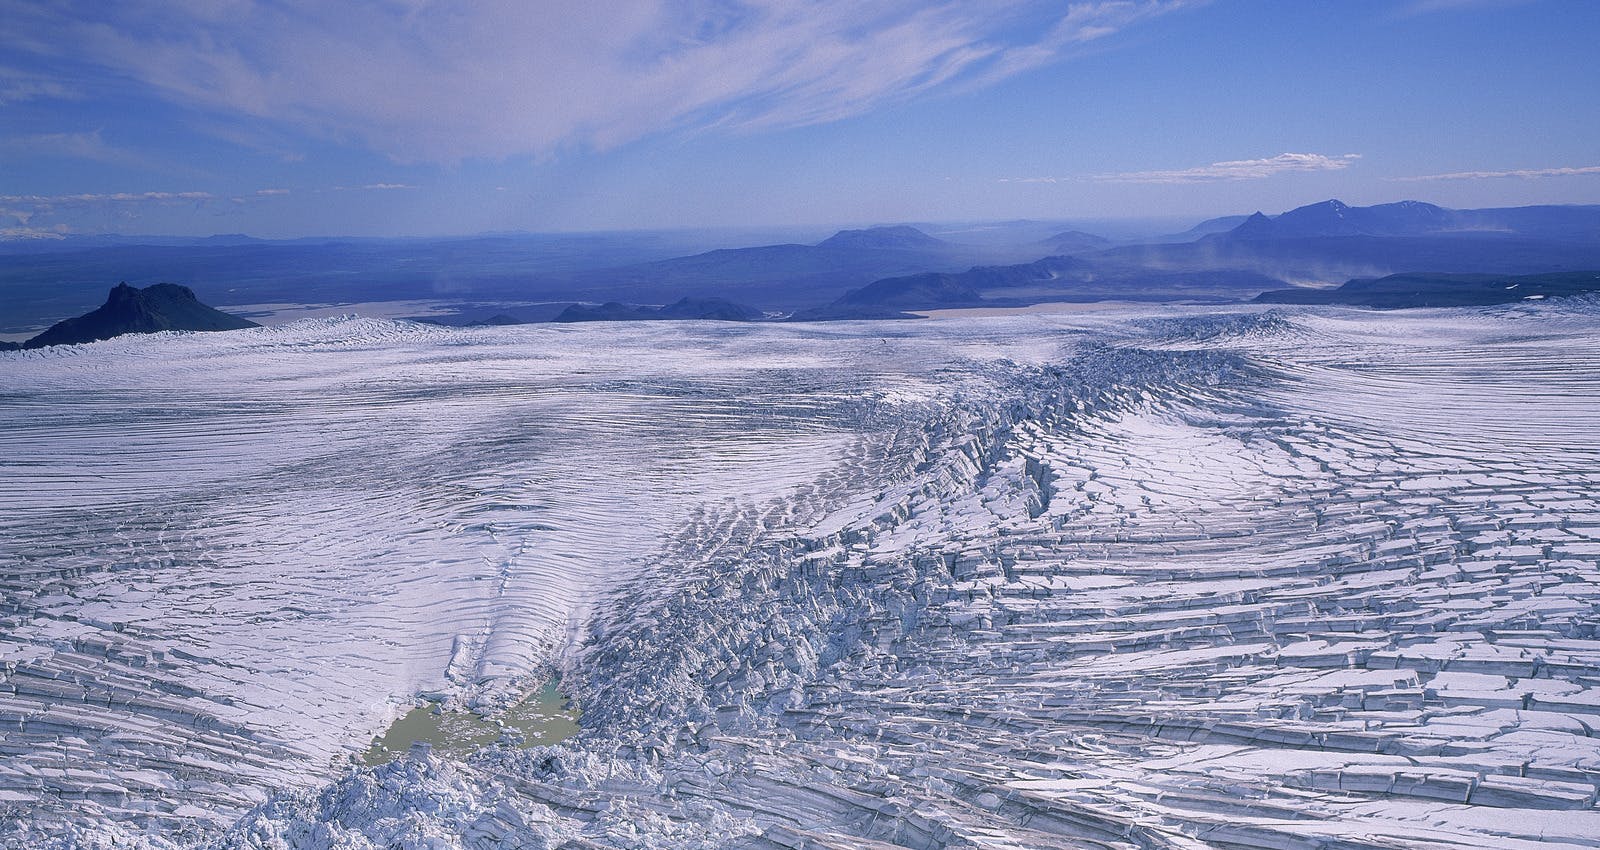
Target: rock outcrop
(131, 310)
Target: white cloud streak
(445, 80)
(12, 234)
(1428, 7)
(1518, 174)
(17, 86)
(1240, 169)
(108, 198)
(23, 208)
(33, 213)
(86, 146)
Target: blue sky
(423, 117)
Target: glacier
(1156, 577)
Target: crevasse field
(1161, 579)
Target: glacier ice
(1158, 578)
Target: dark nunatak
(131, 310)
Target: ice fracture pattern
(1168, 578)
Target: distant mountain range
(786, 277)
(1241, 257)
(1205, 228)
(38, 287)
(686, 308)
(870, 272)
(893, 297)
(1415, 219)
(1065, 279)
(1441, 290)
(130, 310)
(1331, 242)
(1075, 242)
(892, 238)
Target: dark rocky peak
(129, 309)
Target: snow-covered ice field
(1158, 578)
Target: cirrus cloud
(1239, 169)
(446, 80)
(83, 146)
(108, 198)
(1521, 173)
(19, 86)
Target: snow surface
(1144, 579)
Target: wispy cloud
(12, 234)
(18, 86)
(44, 216)
(1239, 169)
(374, 187)
(38, 215)
(1082, 24)
(86, 146)
(1521, 173)
(1426, 7)
(108, 198)
(447, 81)
(25, 208)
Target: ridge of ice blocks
(1156, 579)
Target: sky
(285, 118)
